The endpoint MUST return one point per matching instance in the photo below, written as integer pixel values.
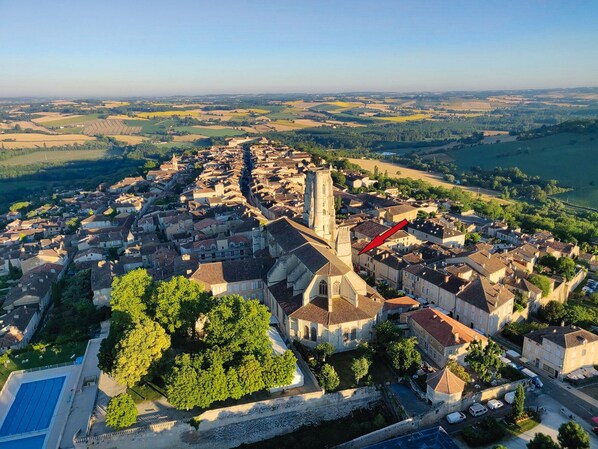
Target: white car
(454, 418)
(493, 404)
(477, 410)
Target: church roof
(342, 310)
(291, 235)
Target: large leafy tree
(386, 333)
(130, 294)
(177, 303)
(403, 355)
(573, 436)
(121, 412)
(181, 384)
(553, 312)
(251, 375)
(141, 346)
(238, 327)
(542, 441)
(485, 361)
(279, 369)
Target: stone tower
(342, 245)
(318, 209)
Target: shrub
(328, 378)
(121, 412)
(488, 431)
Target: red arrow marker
(380, 239)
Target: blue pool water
(36, 442)
(33, 407)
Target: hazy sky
(128, 47)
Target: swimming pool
(33, 406)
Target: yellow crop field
(405, 118)
(124, 117)
(345, 104)
(12, 141)
(189, 138)
(182, 113)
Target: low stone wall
(430, 417)
(247, 423)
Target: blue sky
(181, 47)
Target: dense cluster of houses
(265, 222)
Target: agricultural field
(108, 127)
(398, 171)
(54, 121)
(405, 118)
(129, 140)
(569, 158)
(55, 157)
(211, 131)
(15, 140)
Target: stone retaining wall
(247, 423)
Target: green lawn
(523, 426)
(146, 392)
(34, 358)
(380, 371)
(71, 121)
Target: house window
(346, 336)
(323, 288)
(306, 332)
(314, 334)
(354, 334)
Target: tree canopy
(573, 436)
(485, 361)
(403, 355)
(121, 412)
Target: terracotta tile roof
(442, 328)
(342, 310)
(444, 381)
(232, 271)
(403, 302)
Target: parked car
(477, 409)
(456, 417)
(493, 404)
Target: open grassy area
(56, 157)
(41, 356)
(146, 392)
(211, 132)
(70, 120)
(380, 371)
(569, 158)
